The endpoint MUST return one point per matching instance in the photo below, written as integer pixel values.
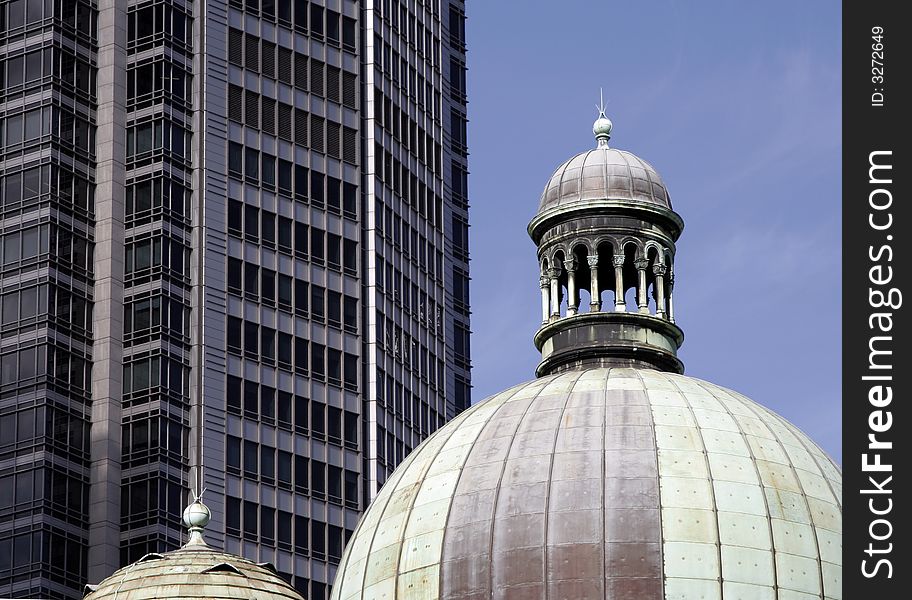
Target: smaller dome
(194, 571)
(604, 174)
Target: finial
(196, 517)
(602, 126)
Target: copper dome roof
(604, 173)
(605, 483)
(194, 571)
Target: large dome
(613, 483)
(601, 174)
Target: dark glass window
(234, 394)
(250, 458)
(250, 518)
(233, 453)
(235, 159)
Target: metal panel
(830, 545)
(798, 573)
(422, 584)
(739, 497)
(689, 525)
(728, 467)
(691, 560)
(669, 437)
(724, 442)
(832, 580)
(714, 419)
(688, 589)
(794, 538)
(740, 529)
(684, 492)
(747, 591)
(681, 463)
(748, 565)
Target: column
(103, 511)
(595, 294)
(554, 275)
(671, 310)
(620, 305)
(641, 265)
(572, 299)
(545, 284)
(659, 271)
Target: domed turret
(194, 571)
(612, 475)
(605, 226)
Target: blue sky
(738, 106)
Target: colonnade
(550, 283)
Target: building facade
(234, 258)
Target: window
(285, 176)
(234, 335)
(232, 515)
(267, 464)
(348, 33)
(235, 268)
(235, 159)
(250, 519)
(250, 399)
(250, 458)
(252, 164)
(284, 413)
(317, 302)
(233, 388)
(267, 523)
(301, 468)
(350, 200)
(284, 471)
(350, 313)
(302, 414)
(233, 454)
(351, 369)
(351, 429)
(350, 257)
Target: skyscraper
(234, 257)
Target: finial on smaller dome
(602, 126)
(196, 517)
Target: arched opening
(669, 286)
(652, 254)
(581, 277)
(558, 264)
(631, 277)
(605, 253)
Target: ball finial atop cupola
(602, 127)
(196, 516)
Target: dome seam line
(769, 516)
(712, 487)
(549, 482)
(472, 446)
(804, 497)
(655, 446)
(503, 469)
